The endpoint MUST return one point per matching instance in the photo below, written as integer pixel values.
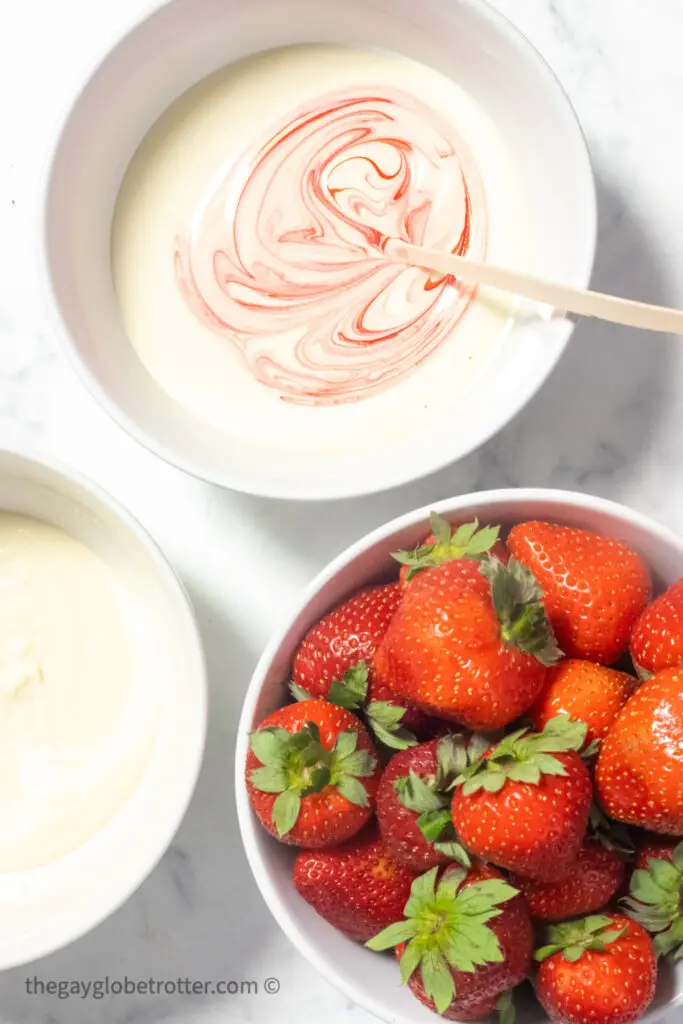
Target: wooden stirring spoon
(561, 297)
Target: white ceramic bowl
(183, 41)
(45, 908)
(370, 980)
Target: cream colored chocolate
(225, 223)
(78, 713)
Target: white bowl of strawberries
(460, 765)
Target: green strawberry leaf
(353, 790)
(525, 772)
(611, 834)
(437, 979)
(286, 811)
(642, 673)
(592, 750)
(393, 935)
(270, 745)
(455, 851)
(418, 795)
(298, 692)
(452, 759)
(351, 690)
(346, 743)
(433, 823)
(506, 1009)
(385, 720)
(441, 528)
(544, 952)
(573, 938)
(410, 960)
(422, 892)
(467, 541)
(677, 857)
(656, 902)
(518, 602)
(269, 779)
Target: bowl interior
(186, 40)
(44, 908)
(366, 978)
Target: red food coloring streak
(288, 255)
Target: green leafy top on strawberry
(445, 929)
(613, 835)
(467, 541)
(506, 1008)
(351, 692)
(431, 798)
(518, 602)
(296, 765)
(575, 937)
(656, 902)
(524, 756)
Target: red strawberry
(657, 638)
(413, 803)
(469, 642)
(594, 587)
(357, 887)
(447, 542)
(639, 775)
(586, 692)
(653, 847)
(524, 805)
(598, 970)
(333, 659)
(312, 774)
(656, 900)
(464, 942)
(595, 879)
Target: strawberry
(357, 887)
(594, 587)
(446, 543)
(463, 943)
(595, 879)
(597, 970)
(586, 692)
(639, 774)
(653, 847)
(469, 642)
(312, 774)
(656, 900)
(333, 658)
(413, 802)
(657, 638)
(524, 805)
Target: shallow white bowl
(370, 980)
(185, 40)
(47, 907)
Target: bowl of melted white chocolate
(220, 210)
(102, 706)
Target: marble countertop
(610, 421)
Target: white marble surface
(610, 421)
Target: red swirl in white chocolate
(285, 255)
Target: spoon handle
(570, 300)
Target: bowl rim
(234, 479)
(173, 585)
(248, 825)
